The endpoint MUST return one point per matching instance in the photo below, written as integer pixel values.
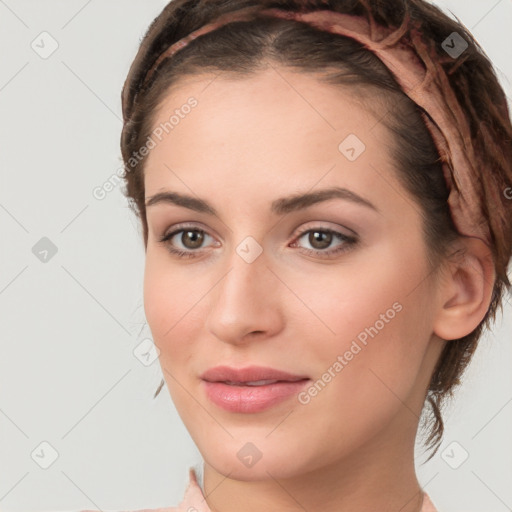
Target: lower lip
(249, 399)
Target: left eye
(320, 239)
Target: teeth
(251, 383)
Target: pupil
(313, 239)
(195, 242)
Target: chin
(246, 460)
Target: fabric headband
(418, 71)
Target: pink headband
(413, 65)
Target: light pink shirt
(194, 501)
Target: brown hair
(242, 48)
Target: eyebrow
(279, 206)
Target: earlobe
(465, 291)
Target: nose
(245, 303)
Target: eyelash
(348, 242)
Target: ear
(465, 290)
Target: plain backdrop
(78, 422)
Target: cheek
(174, 302)
(159, 303)
(375, 318)
(164, 300)
(367, 372)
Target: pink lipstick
(251, 389)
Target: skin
(248, 142)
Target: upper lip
(248, 374)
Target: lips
(252, 389)
(249, 376)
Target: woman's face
(264, 282)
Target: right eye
(191, 235)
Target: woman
(322, 187)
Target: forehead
(299, 95)
(274, 127)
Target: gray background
(70, 325)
